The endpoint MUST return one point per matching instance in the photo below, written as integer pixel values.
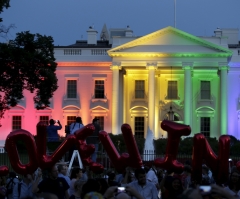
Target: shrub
(160, 146)
(122, 147)
(186, 146)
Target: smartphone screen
(205, 189)
(121, 189)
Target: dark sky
(67, 20)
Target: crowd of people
(140, 183)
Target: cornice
(116, 64)
(158, 54)
(151, 64)
(82, 64)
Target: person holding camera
(145, 188)
(52, 130)
(23, 189)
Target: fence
(4, 160)
(102, 158)
(148, 156)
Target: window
(72, 89)
(139, 127)
(16, 122)
(44, 119)
(205, 90)
(99, 89)
(101, 122)
(71, 119)
(205, 126)
(139, 89)
(172, 90)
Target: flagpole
(175, 14)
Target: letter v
(47, 161)
(133, 159)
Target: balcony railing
(72, 51)
(99, 51)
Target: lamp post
(171, 114)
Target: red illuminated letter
(218, 165)
(175, 131)
(12, 151)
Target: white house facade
(121, 78)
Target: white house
(121, 78)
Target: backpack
(67, 129)
(10, 186)
(79, 125)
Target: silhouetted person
(76, 125)
(94, 138)
(52, 130)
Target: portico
(152, 59)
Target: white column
(223, 100)
(116, 128)
(151, 96)
(157, 99)
(187, 94)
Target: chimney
(218, 32)
(91, 36)
(128, 32)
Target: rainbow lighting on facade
(121, 78)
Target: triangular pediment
(99, 108)
(169, 42)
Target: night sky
(67, 20)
